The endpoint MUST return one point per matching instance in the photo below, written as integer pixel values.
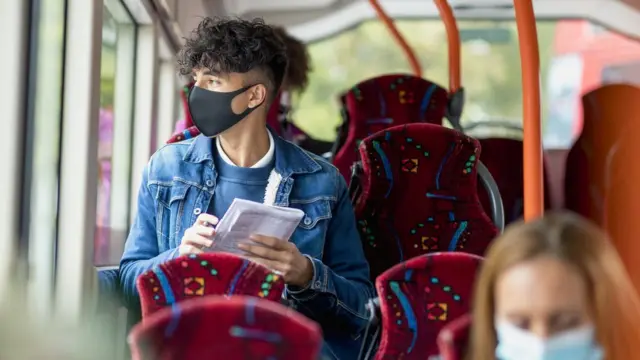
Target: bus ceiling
(312, 20)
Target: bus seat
(187, 121)
(606, 119)
(580, 195)
(503, 158)
(419, 297)
(453, 339)
(205, 274)
(231, 329)
(108, 291)
(108, 282)
(382, 102)
(185, 134)
(417, 194)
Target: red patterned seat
(454, 339)
(185, 134)
(417, 194)
(237, 328)
(383, 102)
(503, 159)
(205, 274)
(419, 297)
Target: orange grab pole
(453, 40)
(530, 62)
(388, 22)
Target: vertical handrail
(453, 42)
(388, 22)
(530, 62)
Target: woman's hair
(580, 244)
(297, 76)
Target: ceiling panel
(314, 19)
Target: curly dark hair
(226, 45)
(297, 76)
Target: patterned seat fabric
(418, 194)
(419, 297)
(187, 121)
(238, 328)
(205, 274)
(185, 134)
(503, 159)
(383, 102)
(272, 121)
(454, 339)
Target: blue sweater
(237, 182)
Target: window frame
(78, 165)
(169, 90)
(40, 198)
(14, 19)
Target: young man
(238, 67)
(294, 84)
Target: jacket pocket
(310, 235)
(171, 199)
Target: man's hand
(282, 256)
(199, 236)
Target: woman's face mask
(517, 344)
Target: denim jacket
(179, 183)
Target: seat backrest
(622, 202)
(239, 328)
(605, 120)
(418, 194)
(419, 297)
(383, 102)
(503, 158)
(205, 274)
(453, 339)
(187, 121)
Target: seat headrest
(205, 274)
(218, 328)
(404, 98)
(430, 160)
(419, 297)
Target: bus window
(43, 154)
(114, 129)
(575, 56)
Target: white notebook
(245, 218)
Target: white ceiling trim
(141, 11)
(618, 16)
(240, 7)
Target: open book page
(245, 218)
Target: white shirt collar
(266, 159)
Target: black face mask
(211, 110)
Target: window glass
(114, 134)
(573, 60)
(45, 105)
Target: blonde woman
(554, 288)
